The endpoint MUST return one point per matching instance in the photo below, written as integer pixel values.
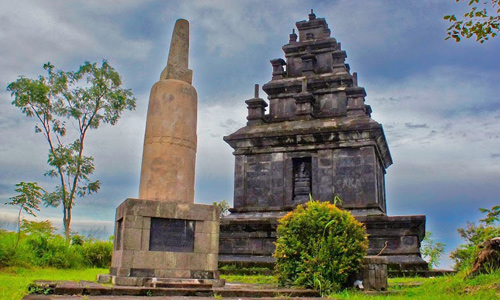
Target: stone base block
(248, 239)
(167, 282)
(155, 239)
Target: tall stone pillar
(163, 235)
(169, 157)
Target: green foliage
(432, 251)
(14, 281)
(39, 246)
(250, 279)
(224, 207)
(86, 98)
(492, 215)
(319, 246)
(482, 21)
(40, 227)
(28, 199)
(97, 253)
(474, 236)
(450, 287)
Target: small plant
(319, 246)
(217, 296)
(224, 207)
(29, 198)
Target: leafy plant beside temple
(319, 246)
(40, 246)
(432, 251)
(85, 98)
(475, 236)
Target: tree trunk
(488, 259)
(67, 222)
(18, 228)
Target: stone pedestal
(156, 239)
(374, 272)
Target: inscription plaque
(172, 235)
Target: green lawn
(483, 287)
(14, 281)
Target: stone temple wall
(314, 136)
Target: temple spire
(178, 56)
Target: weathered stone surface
(169, 157)
(178, 56)
(135, 256)
(318, 139)
(374, 273)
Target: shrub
(7, 250)
(319, 246)
(97, 254)
(39, 246)
(54, 251)
(474, 237)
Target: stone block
(104, 278)
(132, 239)
(116, 257)
(212, 260)
(133, 221)
(127, 281)
(172, 273)
(122, 272)
(197, 261)
(145, 238)
(183, 260)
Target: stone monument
(318, 139)
(163, 235)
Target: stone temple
(317, 138)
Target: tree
(28, 200)
(481, 21)
(432, 251)
(87, 98)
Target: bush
(319, 246)
(39, 246)
(7, 250)
(54, 251)
(97, 254)
(474, 237)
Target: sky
(438, 100)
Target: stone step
(230, 290)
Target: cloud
(59, 33)
(416, 126)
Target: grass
(14, 280)
(252, 279)
(450, 287)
